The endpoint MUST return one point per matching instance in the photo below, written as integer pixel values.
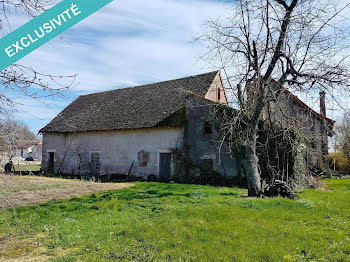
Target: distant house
(28, 148)
(162, 131)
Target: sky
(126, 43)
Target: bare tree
(18, 81)
(12, 131)
(24, 80)
(267, 45)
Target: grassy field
(170, 222)
(28, 167)
(18, 190)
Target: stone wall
(197, 156)
(117, 150)
(314, 128)
(205, 159)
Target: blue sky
(126, 43)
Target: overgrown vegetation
(340, 159)
(12, 131)
(265, 46)
(172, 222)
(339, 162)
(278, 148)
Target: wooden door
(95, 164)
(165, 167)
(51, 162)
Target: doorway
(51, 162)
(164, 167)
(95, 166)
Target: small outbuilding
(28, 148)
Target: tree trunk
(253, 176)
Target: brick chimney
(323, 103)
(324, 165)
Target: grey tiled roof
(129, 108)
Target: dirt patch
(325, 189)
(15, 249)
(16, 191)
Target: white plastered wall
(118, 149)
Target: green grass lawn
(171, 222)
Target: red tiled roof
(331, 121)
(24, 144)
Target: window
(207, 128)
(207, 164)
(95, 164)
(21, 152)
(218, 94)
(143, 158)
(313, 128)
(51, 162)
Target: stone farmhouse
(316, 127)
(287, 109)
(161, 131)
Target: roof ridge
(331, 121)
(129, 108)
(160, 82)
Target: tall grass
(171, 222)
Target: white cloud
(126, 43)
(37, 113)
(33, 110)
(129, 42)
